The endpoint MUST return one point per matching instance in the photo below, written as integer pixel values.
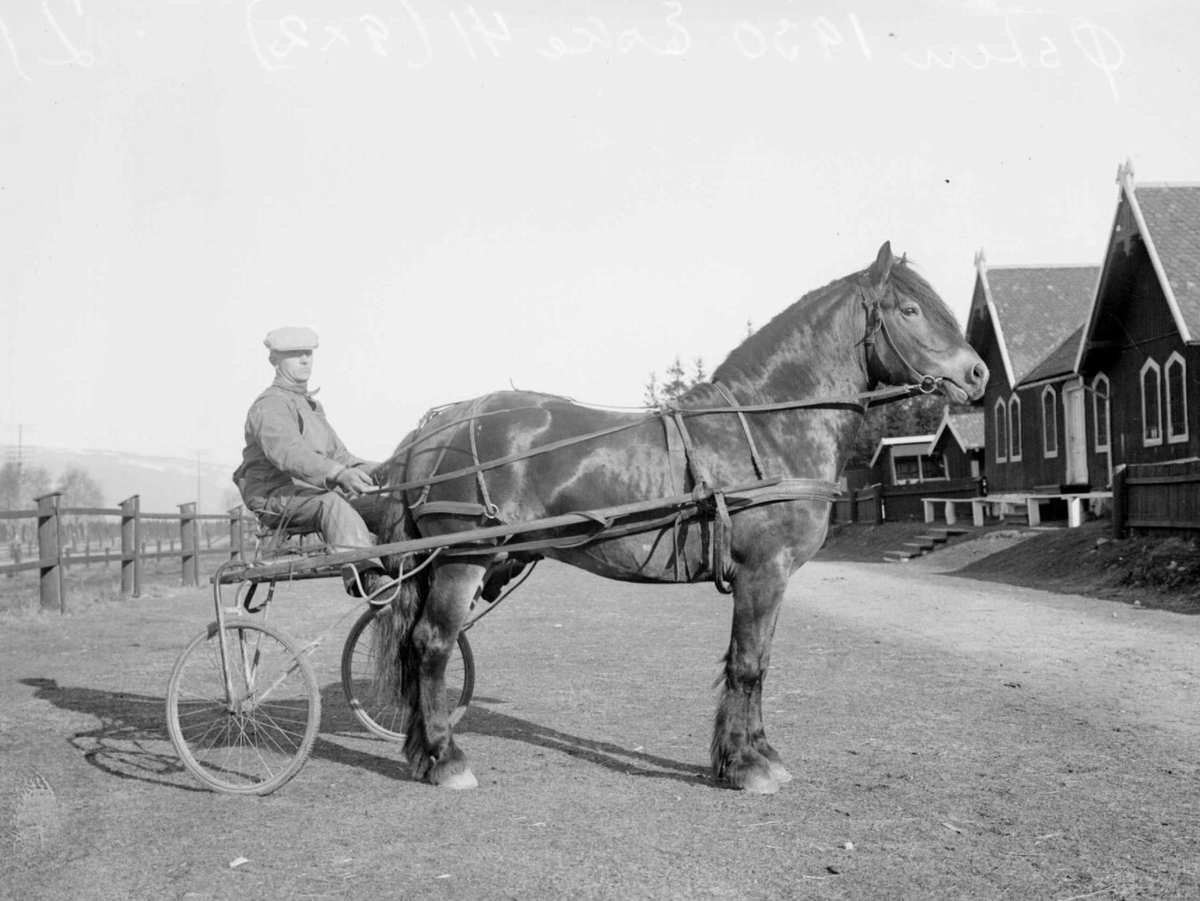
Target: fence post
(131, 559)
(49, 553)
(878, 512)
(852, 516)
(1119, 511)
(188, 545)
(235, 533)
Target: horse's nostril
(979, 373)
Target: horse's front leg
(741, 754)
(429, 745)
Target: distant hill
(162, 483)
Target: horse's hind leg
(429, 745)
(741, 754)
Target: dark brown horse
(786, 404)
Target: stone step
(945, 534)
(919, 545)
(935, 537)
(902, 555)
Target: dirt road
(950, 739)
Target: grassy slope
(1162, 572)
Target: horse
(785, 405)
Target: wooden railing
(53, 557)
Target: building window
(933, 467)
(1001, 423)
(1177, 426)
(1049, 422)
(1100, 412)
(907, 469)
(1014, 429)
(1151, 407)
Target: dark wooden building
(906, 460)
(959, 442)
(1024, 322)
(1139, 357)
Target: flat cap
(291, 337)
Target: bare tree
(20, 484)
(79, 489)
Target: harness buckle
(929, 384)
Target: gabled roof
(1034, 309)
(904, 440)
(965, 428)
(1061, 360)
(1168, 220)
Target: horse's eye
(910, 311)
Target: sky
(553, 195)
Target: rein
(861, 401)
(709, 502)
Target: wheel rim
(381, 713)
(259, 740)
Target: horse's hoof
(779, 772)
(459, 781)
(758, 784)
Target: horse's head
(912, 337)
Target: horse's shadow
(131, 739)
(485, 721)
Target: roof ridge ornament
(1125, 174)
(980, 260)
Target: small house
(959, 443)
(906, 460)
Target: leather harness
(710, 505)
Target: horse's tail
(394, 660)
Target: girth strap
(715, 524)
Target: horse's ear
(882, 267)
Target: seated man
(295, 470)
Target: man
(295, 470)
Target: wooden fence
(874, 504)
(1157, 498)
(54, 557)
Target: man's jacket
(289, 442)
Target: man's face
(296, 365)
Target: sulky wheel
(255, 738)
(378, 710)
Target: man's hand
(354, 481)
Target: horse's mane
(906, 281)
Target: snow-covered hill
(163, 483)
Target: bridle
(872, 301)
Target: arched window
(1014, 429)
(1001, 424)
(1177, 424)
(1049, 422)
(1100, 411)
(1151, 404)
